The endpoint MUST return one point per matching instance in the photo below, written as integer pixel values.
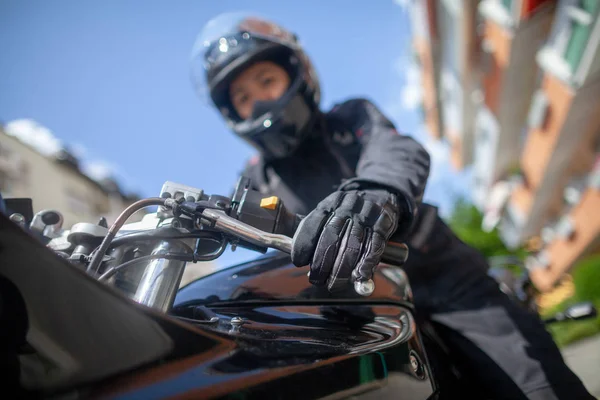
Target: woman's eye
(268, 81)
(242, 99)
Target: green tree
(466, 220)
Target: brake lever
(232, 226)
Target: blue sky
(111, 79)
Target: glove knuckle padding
(369, 213)
(331, 202)
(350, 204)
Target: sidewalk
(584, 359)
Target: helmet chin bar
(280, 131)
(261, 108)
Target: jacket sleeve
(387, 159)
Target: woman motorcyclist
(359, 180)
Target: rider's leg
(506, 347)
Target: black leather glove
(345, 236)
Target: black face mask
(286, 124)
(276, 128)
(263, 107)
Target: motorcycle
(98, 312)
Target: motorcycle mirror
(576, 312)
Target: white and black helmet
(229, 44)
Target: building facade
(522, 106)
(426, 47)
(508, 71)
(447, 47)
(56, 182)
(557, 201)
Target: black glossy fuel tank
(274, 277)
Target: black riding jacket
(352, 144)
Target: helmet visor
(229, 37)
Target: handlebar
(394, 253)
(234, 227)
(248, 217)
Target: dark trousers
(504, 347)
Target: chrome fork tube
(160, 280)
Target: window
(581, 28)
(541, 260)
(573, 29)
(486, 133)
(478, 181)
(477, 96)
(574, 190)
(452, 102)
(594, 180)
(565, 228)
(511, 226)
(509, 232)
(487, 56)
(538, 110)
(422, 111)
(450, 25)
(572, 195)
(483, 135)
(594, 175)
(416, 58)
(487, 129)
(547, 234)
(503, 12)
(523, 136)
